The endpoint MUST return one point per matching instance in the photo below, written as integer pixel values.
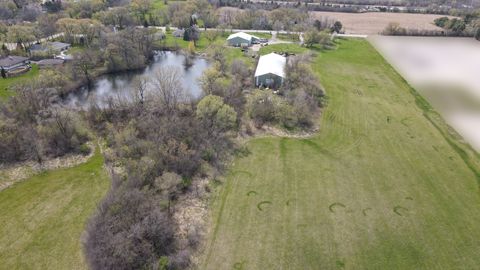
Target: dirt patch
(191, 214)
(372, 23)
(12, 173)
(249, 130)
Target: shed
(270, 70)
(237, 39)
(11, 63)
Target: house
(178, 33)
(49, 47)
(270, 70)
(237, 39)
(50, 62)
(13, 63)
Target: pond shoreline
(109, 84)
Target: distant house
(13, 63)
(50, 62)
(53, 47)
(240, 38)
(178, 33)
(270, 70)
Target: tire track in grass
(213, 241)
(272, 190)
(286, 209)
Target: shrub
(129, 231)
(84, 149)
(394, 29)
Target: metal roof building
(237, 39)
(270, 70)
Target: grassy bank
(6, 83)
(383, 185)
(42, 218)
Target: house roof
(178, 32)
(242, 35)
(50, 62)
(271, 63)
(12, 60)
(58, 46)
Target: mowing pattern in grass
(364, 162)
(42, 218)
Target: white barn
(237, 39)
(270, 70)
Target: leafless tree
(140, 86)
(167, 88)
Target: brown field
(372, 23)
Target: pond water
(120, 85)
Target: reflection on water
(120, 85)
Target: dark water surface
(119, 85)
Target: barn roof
(242, 35)
(271, 63)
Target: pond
(120, 85)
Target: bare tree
(84, 63)
(140, 86)
(167, 88)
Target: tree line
(467, 25)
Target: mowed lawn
(42, 218)
(6, 83)
(379, 187)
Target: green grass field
(202, 43)
(382, 186)
(289, 37)
(259, 35)
(5, 84)
(283, 47)
(159, 5)
(42, 218)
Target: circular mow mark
(398, 208)
(238, 265)
(333, 205)
(252, 192)
(404, 121)
(288, 202)
(259, 205)
(364, 211)
(247, 173)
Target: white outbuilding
(240, 38)
(270, 70)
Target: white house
(270, 70)
(237, 39)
